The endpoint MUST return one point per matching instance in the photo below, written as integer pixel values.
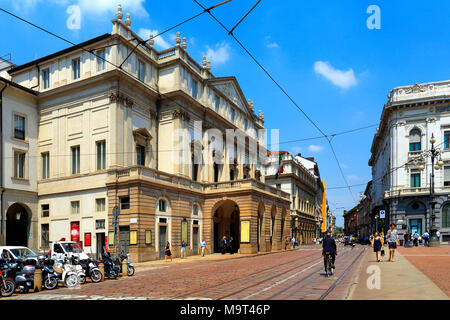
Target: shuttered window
(414, 140)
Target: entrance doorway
(415, 225)
(100, 244)
(162, 240)
(124, 239)
(17, 225)
(226, 223)
(195, 240)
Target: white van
(59, 249)
(13, 252)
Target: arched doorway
(17, 225)
(226, 223)
(260, 224)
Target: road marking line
(282, 281)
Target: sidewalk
(400, 280)
(210, 257)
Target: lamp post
(433, 153)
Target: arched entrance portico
(226, 223)
(17, 225)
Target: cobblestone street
(291, 275)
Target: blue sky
(321, 52)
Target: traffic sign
(382, 214)
(116, 212)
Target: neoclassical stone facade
(152, 139)
(401, 186)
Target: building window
(100, 60)
(414, 140)
(415, 178)
(216, 103)
(100, 204)
(195, 210)
(141, 70)
(75, 159)
(233, 114)
(46, 78)
(162, 205)
(101, 155)
(446, 175)
(45, 235)
(100, 224)
(75, 207)
(124, 203)
(76, 68)
(194, 89)
(447, 140)
(140, 154)
(446, 216)
(19, 164)
(19, 127)
(245, 124)
(45, 209)
(45, 165)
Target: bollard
(101, 267)
(37, 285)
(124, 268)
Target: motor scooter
(119, 260)
(49, 276)
(91, 270)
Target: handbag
(382, 252)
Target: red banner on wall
(87, 239)
(75, 231)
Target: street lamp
(433, 153)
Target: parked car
(17, 252)
(61, 249)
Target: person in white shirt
(203, 247)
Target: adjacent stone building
(401, 173)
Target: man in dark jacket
(224, 244)
(329, 245)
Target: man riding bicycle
(329, 245)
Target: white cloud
(110, 6)
(353, 177)
(220, 54)
(343, 165)
(296, 150)
(272, 45)
(315, 148)
(343, 79)
(159, 40)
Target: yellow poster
(148, 237)
(245, 231)
(184, 231)
(133, 237)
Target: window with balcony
(46, 78)
(19, 127)
(76, 69)
(415, 140)
(415, 178)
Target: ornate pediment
(415, 88)
(142, 136)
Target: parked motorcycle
(90, 267)
(49, 276)
(111, 270)
(7, 284)
(22, 271)
(70, 271)
(119, 260)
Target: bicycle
(328, 260)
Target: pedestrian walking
(230, 245)
(293, 242)
(203, 247)
(392, 241)
(416, 239)
(426, 237)
(183, 249)
(377, 245)
(224, 244)
(167, 252)
(286, 244)
(438, 235)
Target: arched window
(162, 205)
(446, 216)
(414, 140)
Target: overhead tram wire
(133, 76)
(284, 91)
(244, 17)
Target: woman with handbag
(377, 245)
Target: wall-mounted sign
(133, 220)
(75, 231)
(87, 239)
(245, 231)
(133, 237)
(382, 214)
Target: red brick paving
(434, 262)
(229, 279)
